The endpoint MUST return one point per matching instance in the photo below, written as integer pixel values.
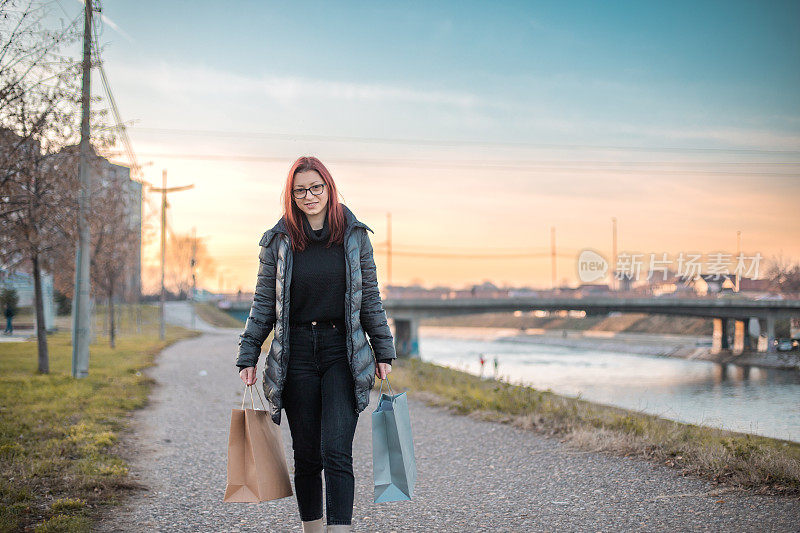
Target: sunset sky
(478, 126)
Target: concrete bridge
(407, 313)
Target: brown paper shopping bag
(257, 469)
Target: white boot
(338, 528)
(314, 526)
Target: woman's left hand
(382, 370)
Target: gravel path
(472, 475)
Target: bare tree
(31, 72)
(784, 275)
(33, 216)
(179, 262)
(39, 115)
(114, 240)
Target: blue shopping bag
(394, 469)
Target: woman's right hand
(248, 375)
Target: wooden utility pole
(194, 277)
(614, 253)
(389, 247)
(553, 254)
(164, 190)
(82, 291)
(738, 253)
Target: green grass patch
(57, 433)
(64, 523)
(211, 314)
(737, 459)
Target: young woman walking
(320, 366)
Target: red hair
(292, 214)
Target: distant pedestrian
(482, 359)
(9, 319)
(496, 366)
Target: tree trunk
(41, 331)
(111, 335)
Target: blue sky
(626, 67)
(682, 119)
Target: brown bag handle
(252, 401)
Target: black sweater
(318, 278)
(318, 286)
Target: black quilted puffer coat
(364, 313)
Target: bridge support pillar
(751, 333)
(719, 340)
(770, 330)
(406, 337)
(739, 335)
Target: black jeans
(320, 407)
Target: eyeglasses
(301, 192)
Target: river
(746, 399)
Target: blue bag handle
(389, 385)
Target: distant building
(121, 175)
(668, 283)
(707, 284)
(592, 289)
(12, 149)
(414, 291)
(753, 285)
(487, 289)
(523, 292)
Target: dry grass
(733, 459)
(628, 322)
(57, 460)
(210, 314)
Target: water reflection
(739, 398)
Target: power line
(136, 169)
(434, 255)
(440, 255)
(451, 142)
(472, 163)
(515, 249)
(63, 10)
(475, 165)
